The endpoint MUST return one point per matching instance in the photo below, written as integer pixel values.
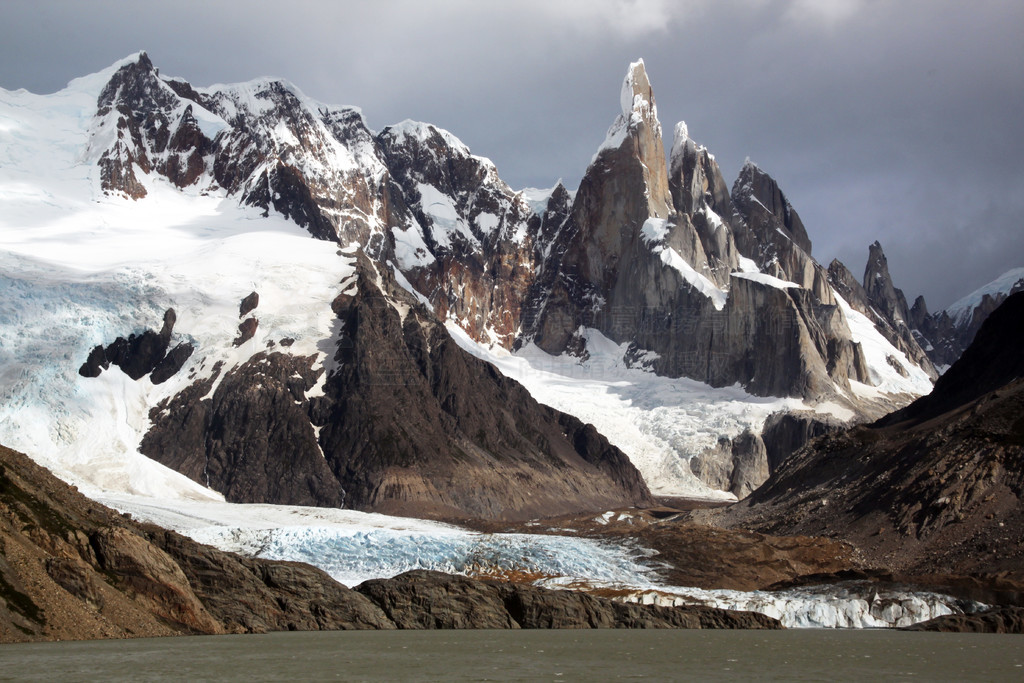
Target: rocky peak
(136, 88)
(637, 96)
(882, 294)
(846, 286)
(466, 241)
(754, 185)
(947, 333)
(918, 312)
(142, 123)
(887, 309)
(636, 135)
(769, 231)
(699, 192)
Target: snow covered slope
(80, 267)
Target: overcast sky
(895, 120)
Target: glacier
(355, 546)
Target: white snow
(765, 279)
(537, 199)
(410, 249)
(670, 257)
(628, 101)
(654, 232)
(660, 423)
(487, 222)
(885, 379)
(748, 265)
(79, 268)
(961, 310)
(444, 216)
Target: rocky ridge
(414, 196)
(73, 569)
(932, 488)
(405, 423)
(694, 280)
(945, 334)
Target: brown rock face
(150, 133)
(933, 488)
(153, 576)
(413, 424)
(996, 620)
(409, 424)
(72, 569)
(479, 256)
(252, 440)
(428, 600)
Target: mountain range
(653, 268)
(238, 293)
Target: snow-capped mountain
(945, 334)
(164, 296)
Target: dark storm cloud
(892, 120)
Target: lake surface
(528, 656)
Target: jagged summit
(879, 286)
(637, 96)
(761, 187)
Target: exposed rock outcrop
(945, 334)
(933, 488)
(787, 432)
(408, 423)
(427, 600)
(252, 440)
(996, 620)
(151, 129)
(141, 354)
(72, 569)
(739, 465)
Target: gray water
(796, 655)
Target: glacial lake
(809, 655)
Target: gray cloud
(890, 120)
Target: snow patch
(765, 279)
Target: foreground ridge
(73, 569)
